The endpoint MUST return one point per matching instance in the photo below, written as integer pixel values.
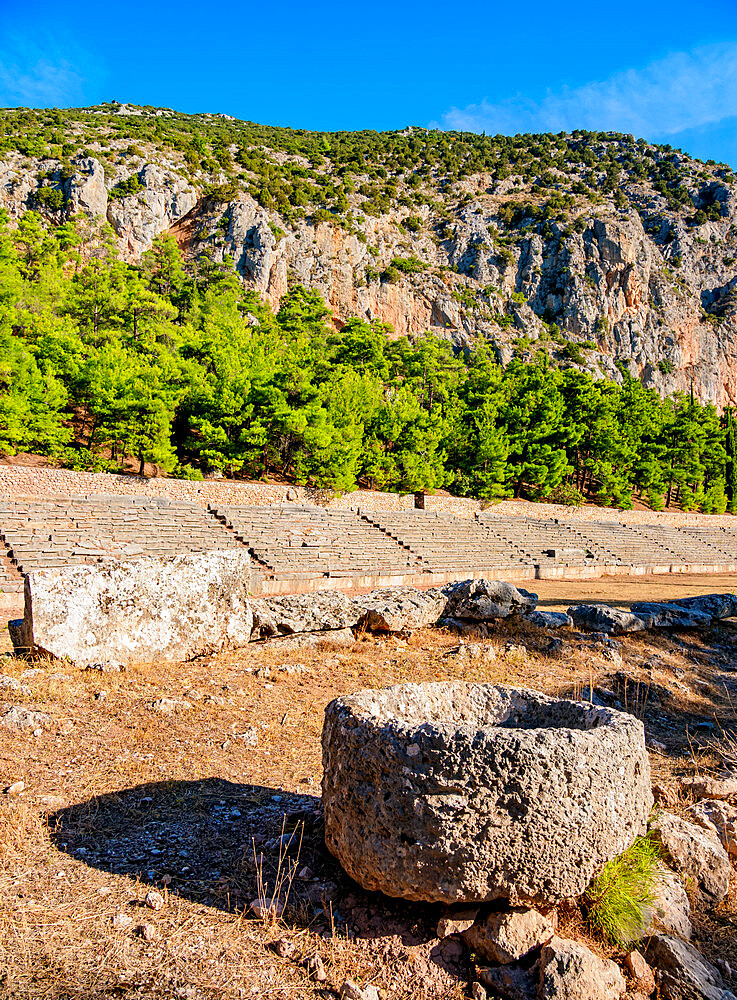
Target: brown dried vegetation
(201, 804)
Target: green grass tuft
(617, 898)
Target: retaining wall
(22, 481)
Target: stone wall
(20, 481)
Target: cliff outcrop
(627, 278)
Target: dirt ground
(121, 798)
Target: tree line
(102, 361)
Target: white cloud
(684, 90)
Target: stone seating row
(299, 542)
(445, 543)
(42, 534)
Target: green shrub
(618, 898)
(50, 198)
(565, 493)
(412, 223)
(574, 353)
(187, 472)
(131, 185)
(408, 265)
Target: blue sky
(665, 71)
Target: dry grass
(120, 798)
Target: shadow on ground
(210, 840)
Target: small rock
(696, 853)
(121, 921)
(316, 968)
(549, 619)
(101, 695)
(457, 922)
(710, 788)
(640, 971)
(149, 932)
(52, 802)
(724, 967)
(168, 706)
(508, 936)
(9, 683)
(284, 948)
(611, 654)
(107, 667)
(267, 909)
(684, 972)
(19, 717)
(473, 652)
(16, 788)
(719, 817)
(351, 991)
(554, 647)
(154, 900)
(511, 981)
(249, 736)
(569, 971)
(665, 795)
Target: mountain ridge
(601, 250)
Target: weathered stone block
(603, 618)
(150, 609)
(396, 608)
(460, 792)
(291, 614)
(484, 600)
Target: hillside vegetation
(546, 315)
(101, 359)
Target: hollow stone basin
(469, 792)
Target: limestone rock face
(294, 613)
(719, 817)
(140, 218)
(696, 853)
(509, 935)
(398, 608)
(85, 190)
(569, 971)
(460, 792)
(603, 618)
(131, 612)
(484, 600)
(685, 973)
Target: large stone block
(485, 600)
(291, 614)
(150, 609)
(458, 792)
(396, 608)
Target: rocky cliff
(598, 260)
